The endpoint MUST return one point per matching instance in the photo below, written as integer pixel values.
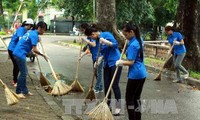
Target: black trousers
(15, 66)
(108, 75)
(133, 93)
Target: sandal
(21, 96)
(29, 94)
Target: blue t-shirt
(110, 53)
(26, 43)
(178, 49)
(15, 38)
(94, 50)
(137, 70)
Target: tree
(188, 23)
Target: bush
(2, 33)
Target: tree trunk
(188, 23)
(1, 8)
(106, 18)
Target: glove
(175, 42)
(104, 41)
(85, 40)
(119, 63)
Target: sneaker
(117, 112)
(177, 81)
(101, 90)
(185, 76)
(21, 96)
(96, 91)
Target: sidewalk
(33, 108)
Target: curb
(68, 44)
(189, 80)
(48, 98)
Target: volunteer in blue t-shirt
(26, 25)
(136, 72)
(111, 54)
(27, 43)
(93, 46)
(175, 39)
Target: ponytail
(128, 27)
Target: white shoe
(101, 90)
(177, 81)
(96, 91)
(185, 76)
(117, 112)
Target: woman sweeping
(93, 47)
(27, 43)
(176, 39)
(137, 70)
(26, 25)
(111, 54)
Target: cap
(29, 21)
(170, 24)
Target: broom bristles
(60, 88)
(43, 80)
(101, 112)
(90, 96)
(76, 87)
(158, 78)
(11, 97)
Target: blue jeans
(99, 84)
(108, 75)
(177, 59)
(21, 81)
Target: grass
(149, 61)
(195, 74)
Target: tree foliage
(80, 9)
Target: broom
(102, 111)
(158, 78)
(5, 46)
(59, 87)
(11, 97)
(76, 86)
(43, 80)
(91, 94)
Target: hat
(29, 21)
(170, 24)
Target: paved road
(161, 100)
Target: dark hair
(41, 24)
(23, 24)
(84, 25)
(127, 28)
(168, 28)
(89, 30)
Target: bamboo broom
(43, 80)
(102, 111)
(76, 86)
(11, 97)
(59, 87)
(91, 94)
(158, 78)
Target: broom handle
(95, 69)
(38, 63)
(4, 42)
(78, 64)
(2, 83)
(115, 73)
(168, 58)
(54, 75)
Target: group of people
(105, 56)
(22, 42)
(110, 59)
